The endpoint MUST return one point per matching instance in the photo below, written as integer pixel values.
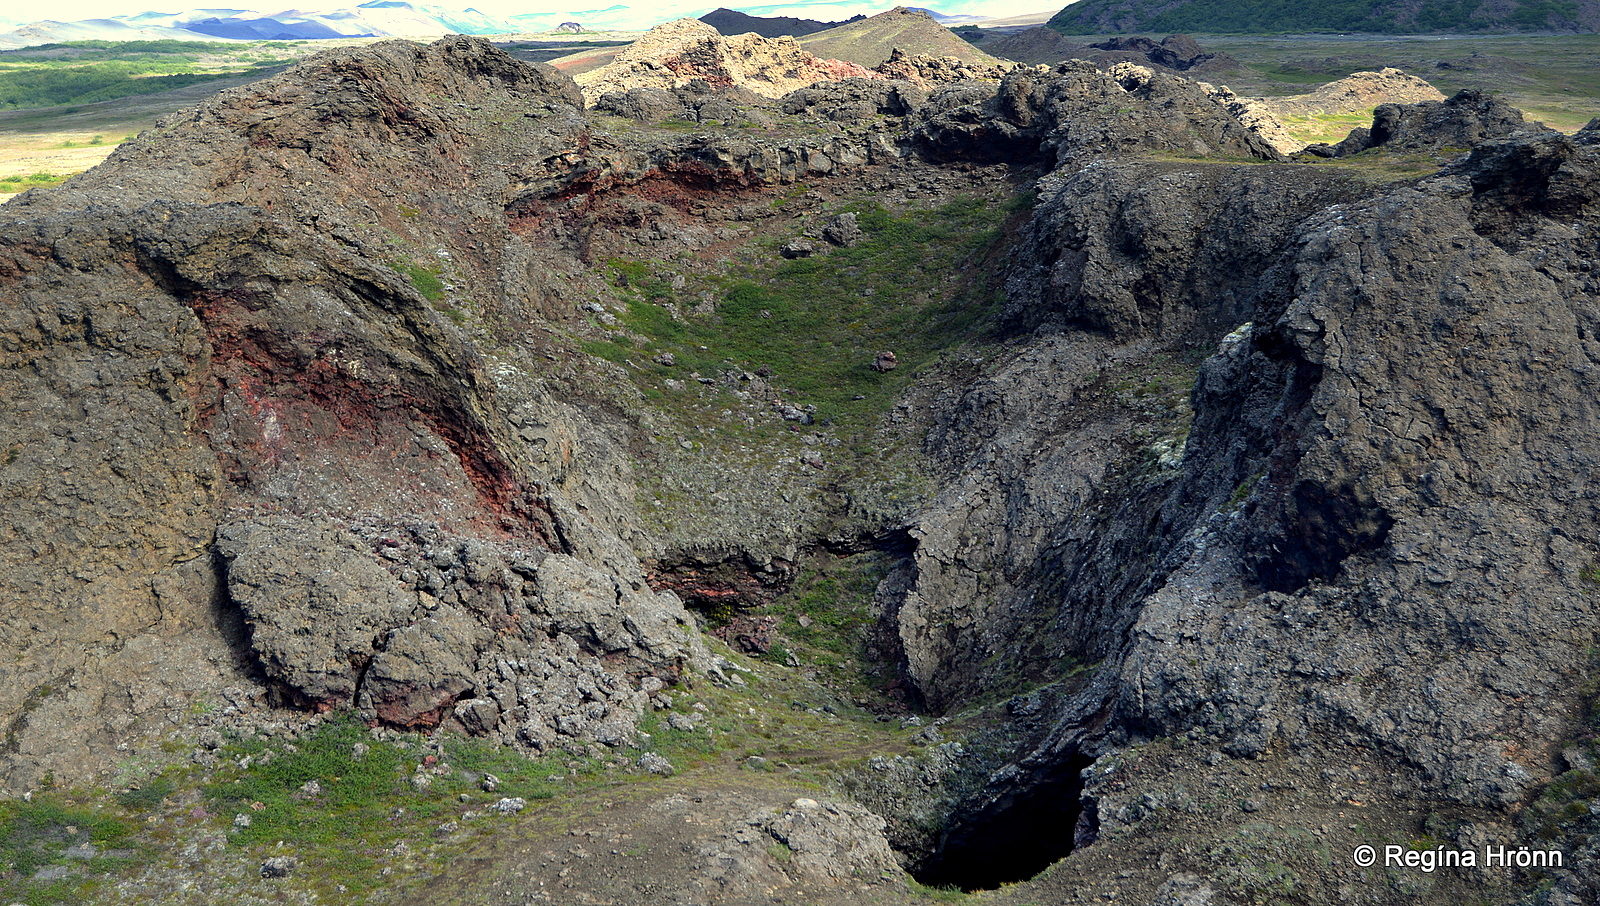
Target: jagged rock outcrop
(1356, 495)
(1258, 118)
(1358, 92)
(261, 362)
(856, 100)
(1076, 110)
(676, 53)
(928, 71)
(411, 621)
(1175, 52)
(695, 102)
(1369, 529)
(1128, 252)
(1461, 121)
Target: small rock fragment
(652, 763)
(278, 867)
(843, 230)
(510, 806)
(798, 248)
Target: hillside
(1287, 16)
(871, 41)
(731, 22)
(1036, 45)
(422, 488)
(675, 54)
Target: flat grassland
(64, 107)
(1551, 78)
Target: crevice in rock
(896, 541)
(228, 618)
(719, 589)
(1016, 835)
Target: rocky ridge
(732, 22)
(673, 55)
(1359, 92)
(875, 39)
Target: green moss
(426, 280)
(816, 323)
(828, 607)
(342, 799)
(37, 834)
(610, 350)
(148, 795)
(1590, 573)
(1242, 492)
(948, 893)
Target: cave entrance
(1027, 830)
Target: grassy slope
(1289, 16)
(1553, 79)
(870, 41)
(368, 816)
(83, 72)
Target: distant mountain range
(405, 18)
(1368, 16)
(374, 18)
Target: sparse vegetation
(1243, 491)
(826, 610)
(1339, 16)
(816, 323)
(1590, 572)
(426, 280)
(946, 893)
(55, 849)
(33, 181)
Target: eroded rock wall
(1372, 548)
(258, 323)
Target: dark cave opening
(1022, 833)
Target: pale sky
(70, 10)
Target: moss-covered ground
(366, 815)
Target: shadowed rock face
(1075, 111)
(1271, 460)
(1356, 493)
(1456, 123)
